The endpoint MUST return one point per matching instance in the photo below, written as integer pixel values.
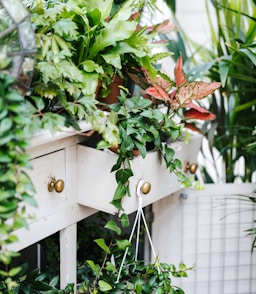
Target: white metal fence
(207, 228)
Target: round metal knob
(145, 188)
(192, 168)
(57, 185)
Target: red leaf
(135, 16)
(202, 115)
(195, 90)
(157, 92)
(165, 27)
(164, 83)
(179, 74)
(192, 127)
(196, 107)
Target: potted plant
(65, 80)
(81, 48)
(151, 122)
(122, 272)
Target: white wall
(193, 19)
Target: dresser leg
(68, 256)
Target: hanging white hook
(142, 187)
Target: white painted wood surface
(96, 184)
(68, 253)
(61, 157)
(55, 156)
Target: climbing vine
(16, 188)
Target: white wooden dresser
(88, 187)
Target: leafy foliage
(142, 125)
(81, 46)
(37, 283)
(235, 65)
(248, 203)
(16, 186)
(178, 94)
(65, 77)
(230, 58)
(136, 276)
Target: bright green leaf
(123, 244)
(102, 244)
(112, 225)
(104, 286)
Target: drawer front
(45, 168)
(96, 184)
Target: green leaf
(102, 244)
(112, 225)
(147, 113)
(142, 148)
(138, 285)
(19, 222)
(123, 175)
(123, 244)
(102, 144)
(102, 8)
(125, 220)
(117, 204)
(104, 286)
(5, 125)
(3, 113)
(90, 82)
(39, 102)
(69, 70)
(5, 157)
(224, 66)
(91, 66)
(65, 27)
(14, 271)
(113, 58)
(143, 103)
(8, 207)
(17, 108)
(54, 281)
(29, 200)
(169, 154)
(52, 121)
(249, 53)
(95, 267)
(120, 191)
(110, 267)
(14, 96)
(41, 286)
(159, 291)
(114, 31)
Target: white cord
(139, 214)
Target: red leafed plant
(178, 94)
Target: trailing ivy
(16, 187)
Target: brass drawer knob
(57, 185)
(192, 168)
(145, 188)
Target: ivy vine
(16, 188)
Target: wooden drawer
(96, 184)
(49, 166)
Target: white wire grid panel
(207, 228)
